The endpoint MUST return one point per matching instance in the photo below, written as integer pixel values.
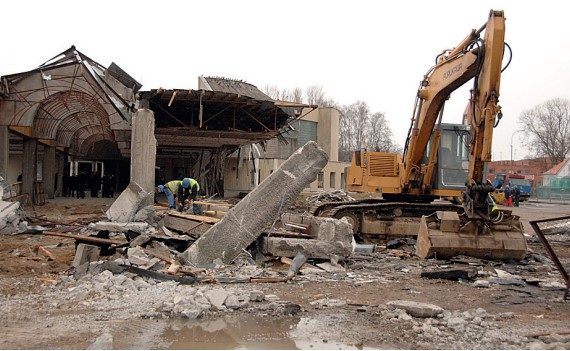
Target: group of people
(181, 194)
(512, 194)
(75, 185)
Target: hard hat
(186, 183)
(161, 188)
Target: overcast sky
(375, 51)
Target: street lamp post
(512, 135)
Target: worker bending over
(178, 192)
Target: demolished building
(72, 114)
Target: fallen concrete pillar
(256, 212)
(312, 248)
(128, 203)
(143, 151)
(118, 227)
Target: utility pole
(512, 135)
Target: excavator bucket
(444, 235)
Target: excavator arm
(472, 58)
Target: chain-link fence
(558, 190)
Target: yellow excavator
(441, 161)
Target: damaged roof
(213, 119)
(233, 86)
(70, 101)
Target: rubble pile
(328, 196)
(10, 220)
(149, 298)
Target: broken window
(320, 180)
(332, 183)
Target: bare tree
(379, 134)
(315, 95)
(297, 95)
(548, 127)
(272, 91)
(361, 129)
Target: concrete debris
(330, 237)
(119, 227)
(416, 309)
(131, 200)
(217, 297)
(10, 218)
(103, 342)
(450, 274)
(329, 267)
(329, 196)
(255, 213)
(137, 256)
(84, 254)
(326, 302)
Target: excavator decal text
(452, 71)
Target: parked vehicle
(504, 179)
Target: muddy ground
(44, 308)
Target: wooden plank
(186, 226)
(205, 219)
(42, 250)
(88, 239)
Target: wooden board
(198, 218)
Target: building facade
(252, 164)
(532, 169)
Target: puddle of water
(250, 332)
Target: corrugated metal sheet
(307, 131)
(236, 87)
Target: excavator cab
(453, 158)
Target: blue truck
(504, 179)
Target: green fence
(557, 190)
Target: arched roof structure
(70, 101)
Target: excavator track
(442, 229)
(378, 220)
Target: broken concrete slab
(137, 256)
(332, 237)
(217, 297)
(257, 211)
(330, 268)
(128, 203)
(9, 217)
(416, 309)
(85, 253)
(119, 227)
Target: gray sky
(376, 51)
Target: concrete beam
(29, 166)
(49, 168)
(257, 211)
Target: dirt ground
(33, 316)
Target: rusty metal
(539, 232)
